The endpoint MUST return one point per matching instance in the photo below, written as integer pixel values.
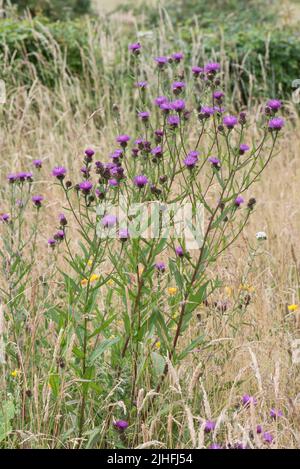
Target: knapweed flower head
(276, 124)
(85, 187)
(261, 236)
(268, 437)
(274, 104)
(206, 111)
(135, 48)
(178, 105)
(108, 221)
(259, 429)
(243, 148)
(37, 164)
(59, 172)
(238, 201)
(140, 181)
(173, 121)
(4, 217)
(209, 426)
(161, 60)
(166, 107)
(121, 425)
(160, 100)
(212, 67)
(218, 95)
(59, 235)
(37, 200)
(157, 151)
(113, 182)
(215, 446)
(177, 56)
(247, 400)
(117, 154)
(123, 140)
(51, 242)
(215, 162)
(62, 219)
(191, 159)
(160, 267)
(89, 152)
(230, 121)
(179, 251)
(123, 234)
(197, 70)
(141, 84)
(178, 86)
(12, 178)
(275, 413)
(144, 115)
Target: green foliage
(54, 9)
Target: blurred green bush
(54, 9)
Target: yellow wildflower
(90, 263)
(110, 282)
(172, 291)
(248, 288)
(292, 308)
(93, 278)
(228, 291)
(157, 344)
(14, 373)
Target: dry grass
(249, 347)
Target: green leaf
(105, 344)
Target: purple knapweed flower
(247, 399)
(135, 48)
(166, 107)
(212, 67)
(89, 152)
(209, 426)
(157, 151)
(4, 217)
(37, 164)
(37, 200)
(140, 181)
(123, 234)
(177, 56)
(160, 100)
(219, 109)
(141, 84)
(230, 121)
(161, 61)
(215, 446)
(59, 172)
(109, 221)
(207, 111)
(123, 140)
(214, 161)
(116, 155)
(218, 95)
(179, 251)
(197, 70)
(259, 429)
(274, 104)
(191, 159)
(51, 242)
(173, 121)
(274, 413)
(86, 187)
(12, 178)
(62, 219)
(160, 267)
(244, 148)
(59, 235)
(268, 437)
(178, 86)
(276, 124)
(113, 182)
(144, 116)
(240, 446)
(121, 425)
(178, 105)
